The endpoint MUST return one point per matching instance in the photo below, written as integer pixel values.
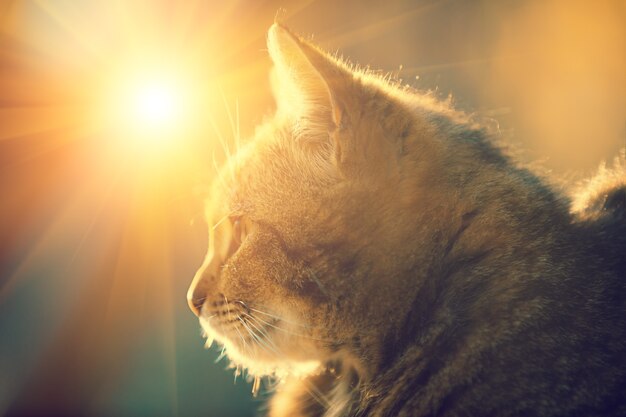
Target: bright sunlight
(156, 104)
(149, 107)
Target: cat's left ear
(308, 84)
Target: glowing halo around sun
(150, 108)
(155, 104)
(133, 81)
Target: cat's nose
(195, 301)
(203, 284)
(197, 292)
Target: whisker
(222, 219)
(260, 343)
(278, 317)
(292, 332)
(227, 306)
(238, 133)
(218, 171)
(316, 394)
(230, 117)
(244, 344)
(255, 338)
(211, 249)
(223, 141)
(267, 337)
(220, 137)
(252, 334)
(247, 330)
(260, 329)
(264, 338)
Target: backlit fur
(373, 252)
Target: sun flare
(149, 107)
(156, 104)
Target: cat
(375, 254)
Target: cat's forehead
(271, 174)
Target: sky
(114, 114)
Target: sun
(156, 104)
(149, 107)
(152, 105)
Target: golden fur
(361, 227)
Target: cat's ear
(308, 84)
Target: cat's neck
(481, 253)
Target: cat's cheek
(309, 290)
(254, 279)
(262, 265)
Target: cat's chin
(258, 366)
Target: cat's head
(309, 222)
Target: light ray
(63, 221)
(17, 121)
(452, 65)
(71, 23)
(364, 33)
